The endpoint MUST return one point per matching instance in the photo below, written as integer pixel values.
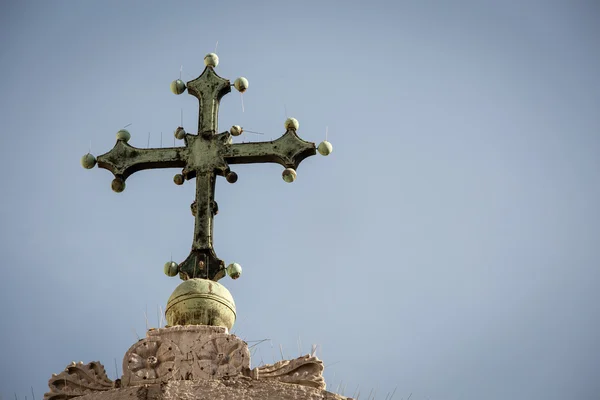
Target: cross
(205, 155)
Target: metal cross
(205, 155)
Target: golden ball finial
(201, 302)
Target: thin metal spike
(393, 392)
(135, 333)
(370, 393)
(356, 391)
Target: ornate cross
(205, 155)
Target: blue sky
(448, 247)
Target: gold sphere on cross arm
(171, 268)
(123, 135)
(201, 302)
(211, 60)
(325, 148)
(118, 185)
(178, 179)
(234, 270)
(289, 175)
(88, 161)
(236, 130)
(231, 177)
(179, 133)
(178, 86)
(292, 123)
(241, 84)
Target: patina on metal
(201, 302)
(205, 155)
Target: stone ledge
(238, 388)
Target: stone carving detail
(184, 353)
(305, 370)
(78, 380)
(150, 360)
(220, 356)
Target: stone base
(195, 362)
(239, 388)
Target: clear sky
(449, 246)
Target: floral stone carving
(78, 380)
(184, 353)
(149, 361)
(305, 370)
(220, 356)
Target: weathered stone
(185, 353)
(197, 361)
(239, 388)
(304, 370)
(77, 380)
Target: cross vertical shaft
(205, 211)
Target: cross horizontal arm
(289, 150)
(123, 160)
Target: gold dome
(201, 302)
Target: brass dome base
(201, 302)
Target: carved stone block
(78, 380)
(305, 370)
(196, 353)
(188, 352)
